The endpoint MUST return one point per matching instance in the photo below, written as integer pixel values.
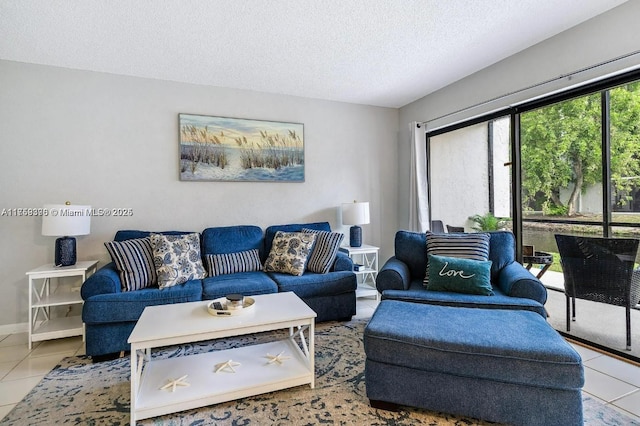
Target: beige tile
(630, 403)
(12, 391)
(585, 353)
(14, 353)
(15, 339)
(50, 347)
(616, 368)
(4, 410)
(6, 367)
(36, 366)
(605, 387)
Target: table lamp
(356, 213)
(66, 221)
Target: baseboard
(22, 327)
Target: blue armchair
(514, 287)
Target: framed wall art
(236, 150)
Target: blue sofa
(400, 278)
(110, 314)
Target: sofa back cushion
(128, 234)
(271, 231)
(232, 239)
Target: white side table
(367, 256)
(43, 295)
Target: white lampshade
(66, 220)
(356, 213)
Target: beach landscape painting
(235, 150)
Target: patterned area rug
(78, 392)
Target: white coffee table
(190, 322)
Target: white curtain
(418, 202)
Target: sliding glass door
(470, 174)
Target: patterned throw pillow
(177, 258)
(134, 262)
(289, 252)
(324, 250)
(473, 246)
(230, 263)
(460, 275)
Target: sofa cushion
(231, 263)
(177, 258)
(459, 275)
(466, 246)
(324, 250)
(289, 252)
(128, 234)
(314, 285)
(245, 283)
(128, 306)
(134, 262)
(232, 239)
(417, 293)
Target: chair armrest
(394, 275)
(106, 280)
(342, 263)
(514, 280)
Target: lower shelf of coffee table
(254, 375)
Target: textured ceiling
(374, 52)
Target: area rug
(78, 392)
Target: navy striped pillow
(324, 250)
(134, 262)
(473, 246)
(230, 263)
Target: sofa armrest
(106, 280)
(394, 275)
(515, 281)
(342, 263)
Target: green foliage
(488, 222)
(561, 149)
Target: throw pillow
(289, 252)
(134, 262)
(473, 246)
(177, 258)
(230, 263)
(460, 275)
(324, 250)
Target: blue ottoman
(507, 366)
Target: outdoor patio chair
(437, 226)
(600, 270)
(454, 229)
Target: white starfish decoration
(276, 358)
(173, 384)
(227, 365)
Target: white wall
(602, 38)
(112, 141)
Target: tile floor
(614, 382)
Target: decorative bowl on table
(228, 307)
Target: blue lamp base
(355, 236)
(65, 251)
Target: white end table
(367, 256)
(42, 325)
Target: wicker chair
(600, 270)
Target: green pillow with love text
(459, 275)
